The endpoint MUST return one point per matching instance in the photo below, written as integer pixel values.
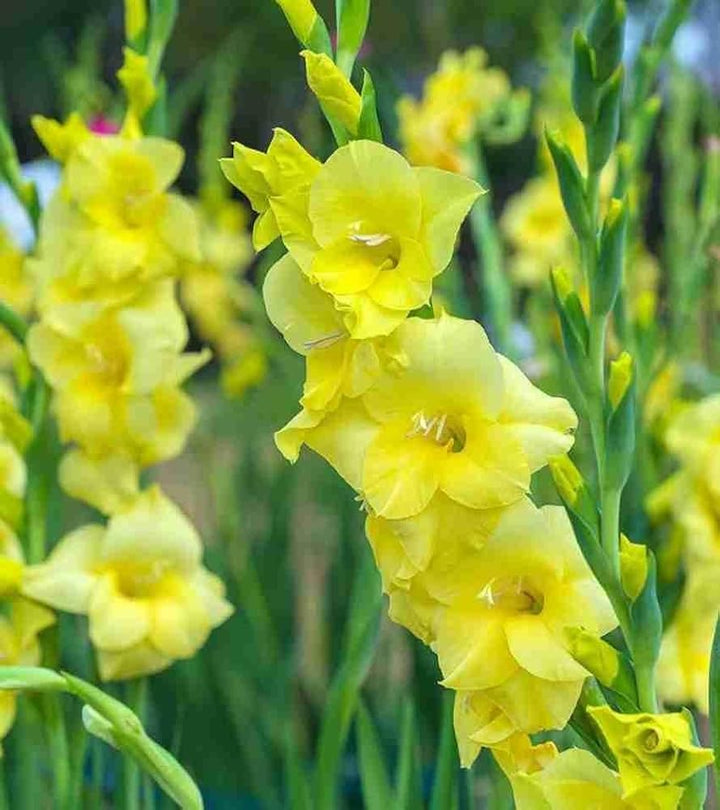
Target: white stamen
(371, 239)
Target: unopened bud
(621, 375)
(338, 98)
(596, 655)
(633, 567)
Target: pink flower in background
(101, 125)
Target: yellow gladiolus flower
(333, 90)
(140, 581)
(455, 417)
(694, 437)
(110, 483)
(115, 374)
(575, 779)
(456, 98)
(376, 232)
(514, 601)
(651, 749)
(283, 173)
(336, 364)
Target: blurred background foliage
(288, 540)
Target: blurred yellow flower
(283, 173)
(141, 582)
(436, 130)
(16, 290)
(651, 749)
(535, 226)
(139, 88)
(376, 232)
(116, 374)
(454, 417)
(61, 140)
(113, 226)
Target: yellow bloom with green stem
(651, 749)
(141, 582)
(452, 417)
(374, 233)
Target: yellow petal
(365, 185)
(446, 200)
(109, 483)
(117, 622)
(539, 652)
(142, 659)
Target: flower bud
(338, 98)
(572, 186)
(306, 24)
(585, 95)
(611, 261)
(606, 35)
(633, 567)
(568, 479)
(137, 81)
(572, 321)
(352, 22)
(596, 655)
(645, 309)
(136, 18)
(602, 136)
(621, 375)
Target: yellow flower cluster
(110, 341)
(458, 100)
(220, 303)
(437, 433)
(21, 620)
(691, 499)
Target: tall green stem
(137, 697)
(496, 288)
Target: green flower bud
(369, 126)
(585, 95)
(603, 135)
(606, 35)
(572, 322)
(647, 620)
(352, 16)
(621, 421)
(572, 187)
(608, 278)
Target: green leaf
(352, 21)
(714, 693)
(298, 787)
(359, 649)
(444, 792)
(374, 779)
(408, 788)
(163, 14)
(369, 125)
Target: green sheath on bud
(606, 35)
(369, 126)
(572, 187)
(647, 619)
(602, 136)
(611, 667)
(609, 275)
(585, 95)
(572, 321)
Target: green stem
(13, 322)
(496, 287)
(137, 696)
(59, 751)
(645, 680)
(610, 528)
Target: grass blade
(377, 794)
(444, 792)
(408, 787)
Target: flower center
(514, 594)
(443, 429)
(384, 247)
(651, 740)
(140, 580)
